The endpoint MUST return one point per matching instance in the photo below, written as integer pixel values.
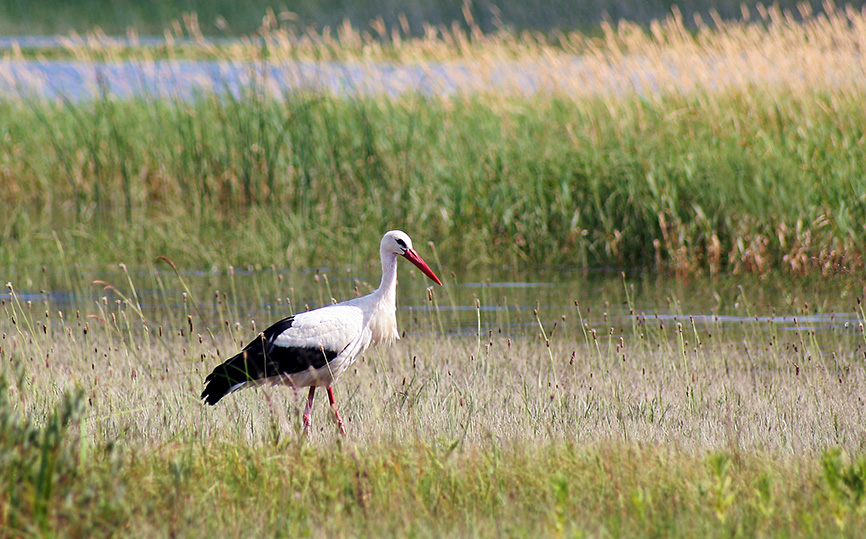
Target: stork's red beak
(413, 257)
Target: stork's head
(397, 242)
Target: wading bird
(313, 348)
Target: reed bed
(734, 147)
(587, 424)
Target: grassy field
(739, 148)
(587, 426)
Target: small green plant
(765, 500)
(846, 484)
(38, 461)
(560, 503)
(720, 492)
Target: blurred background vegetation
(723, 146)
(232, 18)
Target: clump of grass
(42, 460)
(846, 485)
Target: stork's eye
(401, 243)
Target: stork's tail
(228, 377)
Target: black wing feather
(262, 359)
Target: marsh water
(180, 78)
(501, 301)
(184, 79)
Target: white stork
(313, 348)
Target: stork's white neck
(388, 285)
(382, 317)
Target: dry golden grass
(747, 388)
(775, 52)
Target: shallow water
(573, 75)
(77, 80)
(480, 301)
(184, 79)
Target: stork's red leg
(308, 409)
(334, 408)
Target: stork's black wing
(261, 359)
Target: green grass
(233, 490)
(637, 426)
(746, 183)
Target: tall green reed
(538, 180)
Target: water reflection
(497, 300)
